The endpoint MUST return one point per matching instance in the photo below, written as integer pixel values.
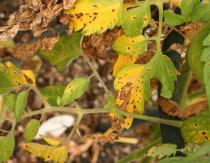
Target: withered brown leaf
(8, 32)
(68, 4)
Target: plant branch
(95, 72)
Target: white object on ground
(55, 126)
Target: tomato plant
(142, 72)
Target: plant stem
(159, 36)
(182, 85)
(174, 123)
(76, 125)
(95, 72)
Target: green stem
(76, 125)
(79, 111)
(95, 72)
(160, 26)
(182, 85)
(174, 123)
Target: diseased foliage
(142, 72)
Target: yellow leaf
(123, 60)
(95, 16)
(11, 76)
(129, 84)
(130, 45)
(29, 76)
(175, 2)
(48, 153)
(51, 141)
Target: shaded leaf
(20, 104)
(76, 88)
(7, 145)
(95, 16)
(130, 45)
(53, 93)
(64, 51)
(173, 19)
(31, 130)
(48, 153)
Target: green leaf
(31, 130)
(188, 6)
(205, 57)
(195, 51)
(162, 68)
(196, 129)
(136, 154)
(6, 44)
(206, 41)
(130, 45)
(64, 51)
(11, 76)
(192, 157)
(173, 19)
(76, 88)
(10, 101)
(21, 104)
(53, 93)
(165, 150)
(206, 71)
(136, 19)
(201, 12)
(7, 145)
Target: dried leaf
(68, 4)
(34, 15)
(9, 32)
